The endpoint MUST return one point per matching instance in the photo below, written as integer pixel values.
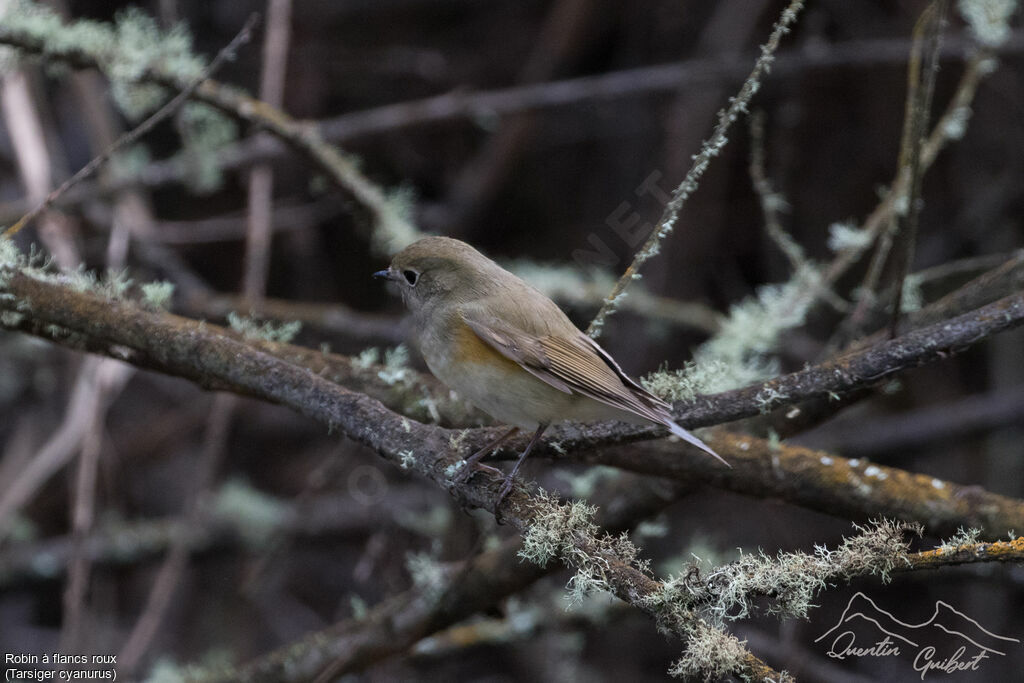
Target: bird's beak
(386, 274)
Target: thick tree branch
(203, 354)
(852, 488)
(180, 347)
(808, 478)
(188, 350)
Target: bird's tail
(691, 439)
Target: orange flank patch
(470, 348)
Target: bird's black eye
(411, 276)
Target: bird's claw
(469, 469)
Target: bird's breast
(487, 379)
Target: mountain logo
(948, 642)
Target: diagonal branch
(202, 354)
(303, 137)
(187, 90)
(206, 355)
(710, 149)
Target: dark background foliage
(556, 182)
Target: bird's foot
(506, 488)
(470, 468)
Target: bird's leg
(472, 461)
(511, 475)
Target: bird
(509, 350)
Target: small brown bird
(510, 351)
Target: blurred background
(554, 133)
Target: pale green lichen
(125, 51)
(569, 284)
(652, 528)
(396, 366)
(204, 132)
(157, 295)
(214, 663)
(10, 258)
(848, 235)
(956, 121)
(913, 296)
(789, 580)
(583, 484)
(359, 607)
(408, 459)
(768, 398)
(452, 470)
(741, 352)
(961, 538)
(253, 513)
(553, 528)
(566, 531)
(457, 438)
(251, 328)
(988, 20)
(687, 383)
(366, 358)
(394, 229)
(427, 574)
(432, 523)
(128, 163)
(710, 653)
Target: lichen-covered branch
(852, 488)
(177, 346)
(804, 477)
(863, 367)
(210, 357)
(790, 580)
(417, 396)
(949, 555)
(162, 341)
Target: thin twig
(950, 126)
(710, 149)
(772, 202)
(305, 136)
(131, 136)
(919, 106)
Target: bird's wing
(574, 365)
